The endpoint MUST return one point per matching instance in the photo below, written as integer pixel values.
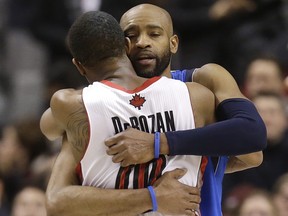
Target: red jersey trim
(136, 90)
(204, 163)
(79, 175)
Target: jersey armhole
(189, 75)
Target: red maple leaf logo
(137, 101)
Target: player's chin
(146, 74)
(146, 71)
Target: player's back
(154, 106)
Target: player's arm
(242, 162)
(122, 146)
(65, 197)
(225, 88)
(49, 125)
(202, 103)
(53, 122)
(240, 129)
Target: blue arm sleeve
(239, 130)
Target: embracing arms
(240, 129)
(66, 197)
(53, 122)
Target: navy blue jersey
(211, 192)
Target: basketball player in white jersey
(153, 106)
(116, 99)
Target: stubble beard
(161, 65)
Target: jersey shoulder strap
(183, 75)
(189, 74)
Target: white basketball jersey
(160, 104)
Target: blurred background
(247, 37)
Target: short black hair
(95, 36)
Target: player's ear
(127, 45)
(174, 42)
(79, 67)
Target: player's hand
(131, 147)
(174, 197)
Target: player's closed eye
(155, 34)
(131, 35)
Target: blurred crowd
(248, 37)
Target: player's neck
(121, 72)
(109, 68)
(129, 81)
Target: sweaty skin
(152, 40)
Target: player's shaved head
(152, 42)
(148, 12)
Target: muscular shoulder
(218, 80)
(210, 68)
(64, 101)
(65, 97)
(203, 103)
(210, 74)
(198, 91)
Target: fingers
(192, 212)
(193, 208)
(112, 150)
(125, 163)
(195, 202)
(117, 154)
(111, 140)
(116, 149)
(193, 199)
(119, 157)
(194, 190)
(118, 137)
(177, 173)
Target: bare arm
(202, 103)
(49, 126)
(242, 162)
(219, 81)
(64, 197)
(224, 86)
(53, 121)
